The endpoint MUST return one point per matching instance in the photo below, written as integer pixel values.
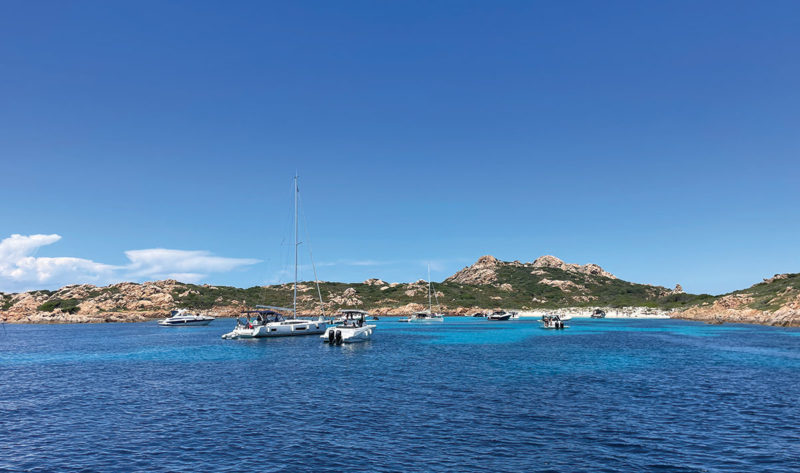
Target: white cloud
(21, 269)
(164, 263)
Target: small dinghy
(182, 318)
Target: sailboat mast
(296, 244)
(430, 306)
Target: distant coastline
(545, 285)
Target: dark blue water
(466, 395)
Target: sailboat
(429, 315)
(270, 321)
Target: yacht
(182, 318)
(503, 315)
(429, 315)
(553, 322)
(269, 321)
(350, 327)
(424, 316)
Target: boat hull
(349, 334)
(279, 329)
(185, 323)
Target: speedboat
(267, 322)
(598, 314)
(503, 315)
(424, 317)
(553, 322)
(182, 318)
(352, 327)
(350, 314)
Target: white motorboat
(350, 314)
(553, 321)
(268, 321)
(499, 315)
(182, 318)
(351, 328)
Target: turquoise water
(463, 395)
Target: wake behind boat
(182, 318)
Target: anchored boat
(553, 322)
(503, 315)
(182, 318)
(428, 316)
(268, 321)
(351, 327)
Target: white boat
(182, 318)
(268, 321)
(429, 315)
(503, 315)
(553, 322)
(425, 316)
(349, 314)
(351, 328)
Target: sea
(463, 395)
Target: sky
(141, 140)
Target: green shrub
(69, 306)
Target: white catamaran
(429, 315)
(269, 321)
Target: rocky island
(546, 283)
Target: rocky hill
(547, 282)
(775, 301)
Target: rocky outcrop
(549, 261)
(349, 298)
(374, 282)
(484, 271)
(563, 285)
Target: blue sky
(659, 140)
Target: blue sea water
(465, 395)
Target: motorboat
(267, 322)
(478, 314)
(351, 328)
(350, 314)
(182, 318)
(424, 316)
(598, 314)
(553, 321)
(499, 315)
